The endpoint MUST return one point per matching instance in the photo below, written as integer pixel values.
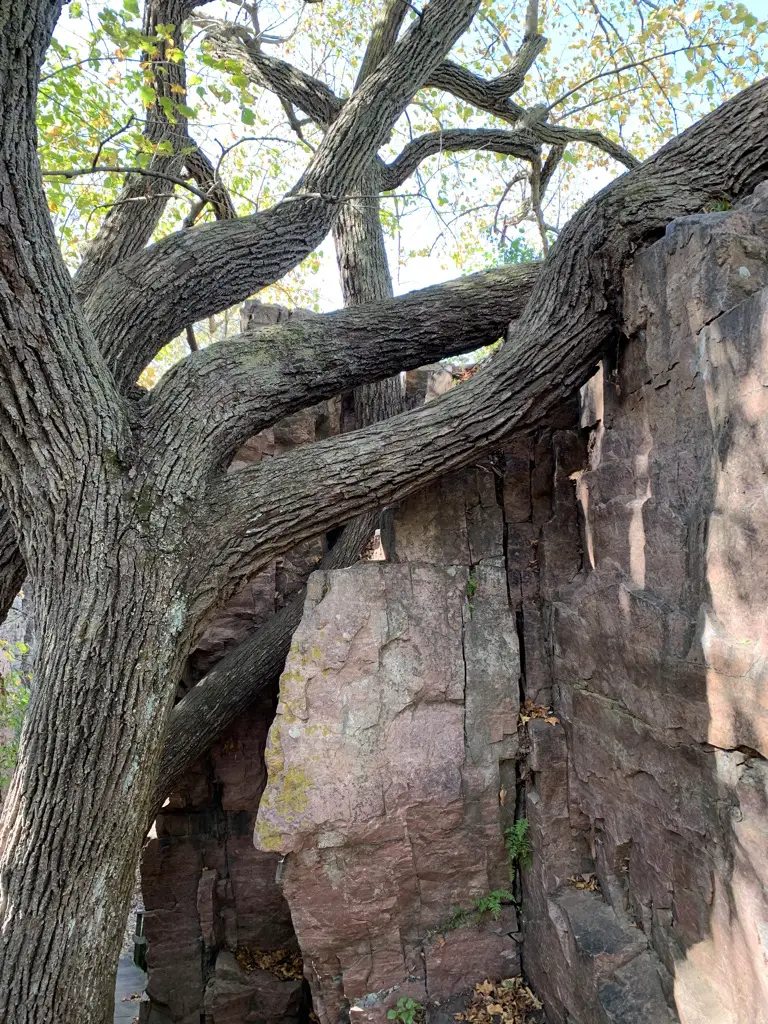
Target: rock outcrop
(574, 632)
(221, 945)
(658, 657)
(395, 736)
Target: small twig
(616, 71)
(191, 339)
(77, 172)
(109, 138)
(510, 185)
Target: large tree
(118, 503)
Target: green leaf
(247, 116)
(132, 6)
(148, 95)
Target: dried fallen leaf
(587, 883)
(502, 796)
(508, 1002)
(283, 963)
(552, 719)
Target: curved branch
(218, 397)
(521, 144)
(473, 89)
(202, 170)
(145, 301)
(560, 135)
(574, 311)
(226, 41)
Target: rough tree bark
(132, 541)
(107, 526)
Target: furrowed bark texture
(71, 821)
(145, 301)
(573, 312)
(218, 397)
(13, 571)
(359, 238)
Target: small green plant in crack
(407, 1011)
(718, 205)
(518, 846)
(492, 903)
(459, 917)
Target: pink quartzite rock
(398, 706)
(659, 781)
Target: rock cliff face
(657, 780)
(573, 632)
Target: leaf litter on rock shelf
(283, 963)
(531, 710)
(505, 1002)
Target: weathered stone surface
(235, 996)
(658, 648)
(398, 709)
(207, 891)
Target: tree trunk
(109, 639)
(365, 277)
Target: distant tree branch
(226, 41)
(521, 144)
(146, 172)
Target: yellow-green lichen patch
(287, 797)
(266, 836)
(273, 755)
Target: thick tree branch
(383, 38)
(561, 135)
(574, 311)
(521, 144)
(223, 394)
(146, 300)
(471, 88)
(226, 41)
